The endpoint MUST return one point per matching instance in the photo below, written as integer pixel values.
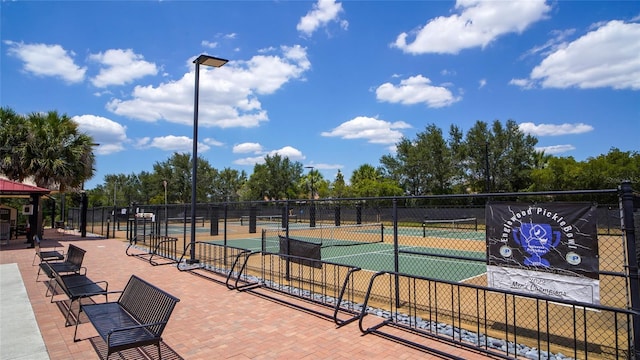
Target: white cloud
(176, 143)
(121, 67)
(555, 149)
(228, 95)
(209, 44)
(47, 60)
(482, 83)
(323, 12)
(554, 130)
(110, 135)
(289, 152)
(608, 56)
(523, 83)
(373, 130)
(245, 148)
(477, 23)
(415, 90)
(213, 142)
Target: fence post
(214, 230)
(628, 227)
(396, 248)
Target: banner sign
(544, 249)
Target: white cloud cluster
(121, 67)
(108, 134)
(228, 95)
(415, 90)
(371, 129)
(287, 151)
(608, 56)
(246, 148)
(554, 130)
(47, 60)
(556, 149)
(323, 12)
(477, 24)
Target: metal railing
(435, 241)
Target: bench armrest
(125, 328)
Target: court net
(327, 236)
(465, 224)
(267, 219)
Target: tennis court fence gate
(453, 303)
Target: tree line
(492, 157)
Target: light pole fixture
(214, 62)
(311, 176)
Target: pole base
(193, 261)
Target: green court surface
(380, 257)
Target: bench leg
(52, 288)
(75, 333)
(66, 319)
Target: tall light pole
(214, 62)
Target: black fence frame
(232, 262)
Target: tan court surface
(210, 322)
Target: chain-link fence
(519, 273)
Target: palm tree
(13, 136)
(47, 147)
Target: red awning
(8, 187)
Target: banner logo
(536, 240)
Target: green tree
(276, 179)
(500, 158)
(176, 171)
(339, 188)
(54, 152)
(228, 184)
(425, 165)
(367, 181)
(313, 185)
(13, 135)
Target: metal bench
(49, 255)
(137, 319)
(76, 287)
(71, 264)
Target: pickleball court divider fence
(432, 285)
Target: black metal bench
(137, 319)
(48, 255)
(71, 264)
(76, 287)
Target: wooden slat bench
(137, 319)
(71, 264)
(76, 287)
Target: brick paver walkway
(210, 322)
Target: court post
(396, 257)
(213, 228)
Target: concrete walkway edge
(20, 336)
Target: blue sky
(331, 84)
